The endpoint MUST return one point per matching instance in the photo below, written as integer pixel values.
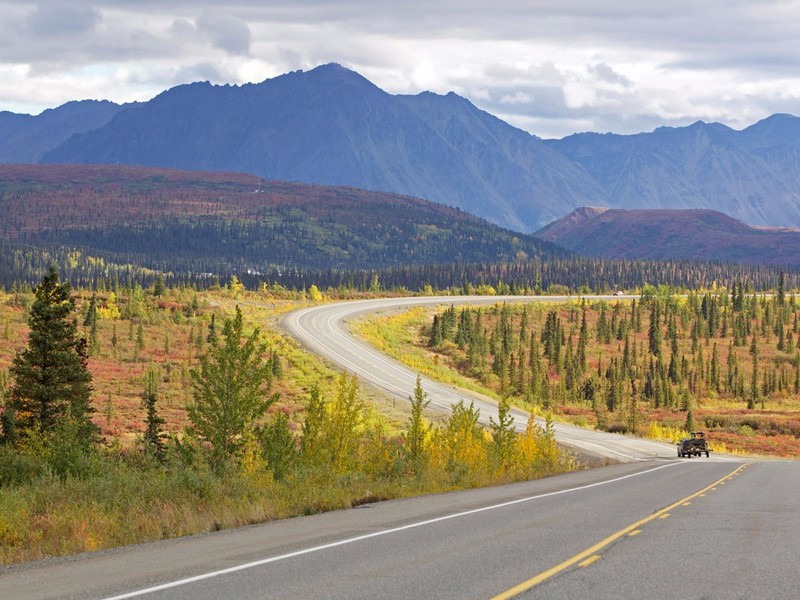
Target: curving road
(324, 330)
(654, 526)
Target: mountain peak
(577, 217)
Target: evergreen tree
(153, 434)
(752, 398)
(583, 343)
(159, 289)
(8, 430)
(504, 435)
(229, 390)
(417, 429)
(51, 381)
(91, 312)
(654, 334)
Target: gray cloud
(605, 73)
(53, 18)
(550, 67)
(226, 32)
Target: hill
(202, 222)
(672, 235)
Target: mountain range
(331, 126)
(697, 234)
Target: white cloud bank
(551, 68)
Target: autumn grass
(126, 505)
(397, 335)
(126, 500)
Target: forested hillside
(215, 224)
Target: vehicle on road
(697, 445)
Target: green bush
(17, 468)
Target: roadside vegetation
(167, 412)
(722, 360)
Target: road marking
(591, 560)
(686, 504)
(545, 575)
(634, 532)
(664, 516)
(265, 561)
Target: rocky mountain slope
(331, 126)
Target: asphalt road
(654, 526)
(657, 529)
(324, 329)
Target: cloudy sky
(551, 67)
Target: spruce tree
(504, 436)
(230, 390)
(417, 429)
(654, 334)
(51, 382)
(153, 435)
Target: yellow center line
(634, 532)
(590, 560)
(589, 552)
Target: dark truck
(693, 446)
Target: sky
(552, 68)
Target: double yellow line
(589, 556)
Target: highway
(649, 526)
(324, 330)
(658, 529)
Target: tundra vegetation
(132, 414)
(722, 360)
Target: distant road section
(325, 330)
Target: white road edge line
(250, 565)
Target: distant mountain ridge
(752, 175)
(332, 126)
(24, 138)
(693, 234)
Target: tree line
(24, 266)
